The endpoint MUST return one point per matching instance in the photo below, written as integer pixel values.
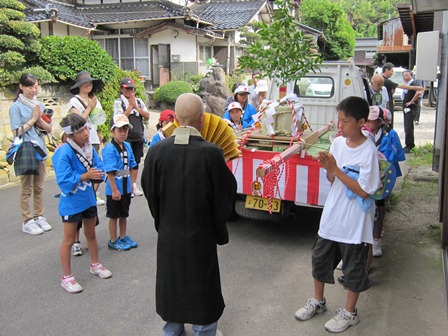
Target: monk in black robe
(190, 193)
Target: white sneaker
(32, 228)
(71, 285)
(43, 224)
(376, 248)
(99, 201)
(137, 191)
(341, 320)
(101, 271)
(76, 249)
(312, 307)
(339, 266)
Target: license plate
(260, 203)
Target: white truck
(299, 179)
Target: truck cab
(320, 92)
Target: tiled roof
(132, 11)
(68, 14)
(223, 15)
(89, 15)
(227, 15)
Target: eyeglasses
(129, 89)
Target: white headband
(68, 129)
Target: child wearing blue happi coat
(119, 162)
(78, 166)
(376, 124)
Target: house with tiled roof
(163, 40)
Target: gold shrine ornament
(215, 130)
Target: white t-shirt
(384, 97)
(342, 219)
(74, 102)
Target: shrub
(194, 81)
(65, 56)
(169, 92)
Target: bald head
(189, 110)
(377, 82)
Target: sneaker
(376, 248)
(341, 320)
(101, 271)
(32, 228)
(99, 201)
(339, 266)
(137, 191)
(118, 245)
(129, 241)
(311, 308)
(42, 223)
(76, 249)
(71, 285)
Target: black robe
(190, 193)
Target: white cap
(234, 105)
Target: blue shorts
(328, 253)
(76, 218)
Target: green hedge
(169, 92)
(65, 56)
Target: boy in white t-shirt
(346, 226)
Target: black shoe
(408, 150)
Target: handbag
(25, 161)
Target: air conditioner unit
(175, 58)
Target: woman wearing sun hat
(85, 102)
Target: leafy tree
(364, 15)
(249, 33)
(329, 17)
(19, 44)
(282, 48)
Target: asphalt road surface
(265, 272)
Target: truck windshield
(321, 87)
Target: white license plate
(260, 203)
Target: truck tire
(241, 210)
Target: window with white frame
(127, 52)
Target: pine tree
(19, 44)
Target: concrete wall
(54, 96)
